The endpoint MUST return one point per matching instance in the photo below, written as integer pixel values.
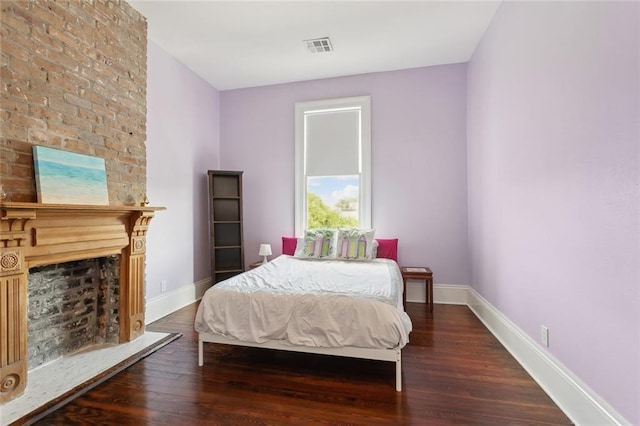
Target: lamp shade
(265, 250)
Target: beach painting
(64, 177)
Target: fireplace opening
(72, 306)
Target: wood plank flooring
(454, 373)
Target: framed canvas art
(64, 177)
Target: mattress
(316, 303)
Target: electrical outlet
(163, 285)
(544, 336)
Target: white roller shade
(332, 142)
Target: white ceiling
(236, 44)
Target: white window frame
(364, 104)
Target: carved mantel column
(39, 234)
(13, 302)
(132, 272)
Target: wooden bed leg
(399, 372)
(200, 354)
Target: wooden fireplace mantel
(33, 234)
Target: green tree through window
(319, 215)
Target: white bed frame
(394, 354)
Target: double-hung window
(333, 164)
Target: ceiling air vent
(318, 45)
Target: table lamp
(265, 250)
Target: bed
(329, 306)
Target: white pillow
(355, 244)
(299, 252)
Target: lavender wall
(553, 153)
(183, 141)
(418, 160)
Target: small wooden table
(255, 265)
(418, 273)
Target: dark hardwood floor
(454, 372)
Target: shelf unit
(225, 224)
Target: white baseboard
(449, 294)
(583, 406)
(168, 303)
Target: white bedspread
(321, 303)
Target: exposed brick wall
(73, 76)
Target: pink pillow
(387, 248)
(289, 245)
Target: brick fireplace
(33, 235)
(74, 78)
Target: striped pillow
(355, 244)
(318, 244)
